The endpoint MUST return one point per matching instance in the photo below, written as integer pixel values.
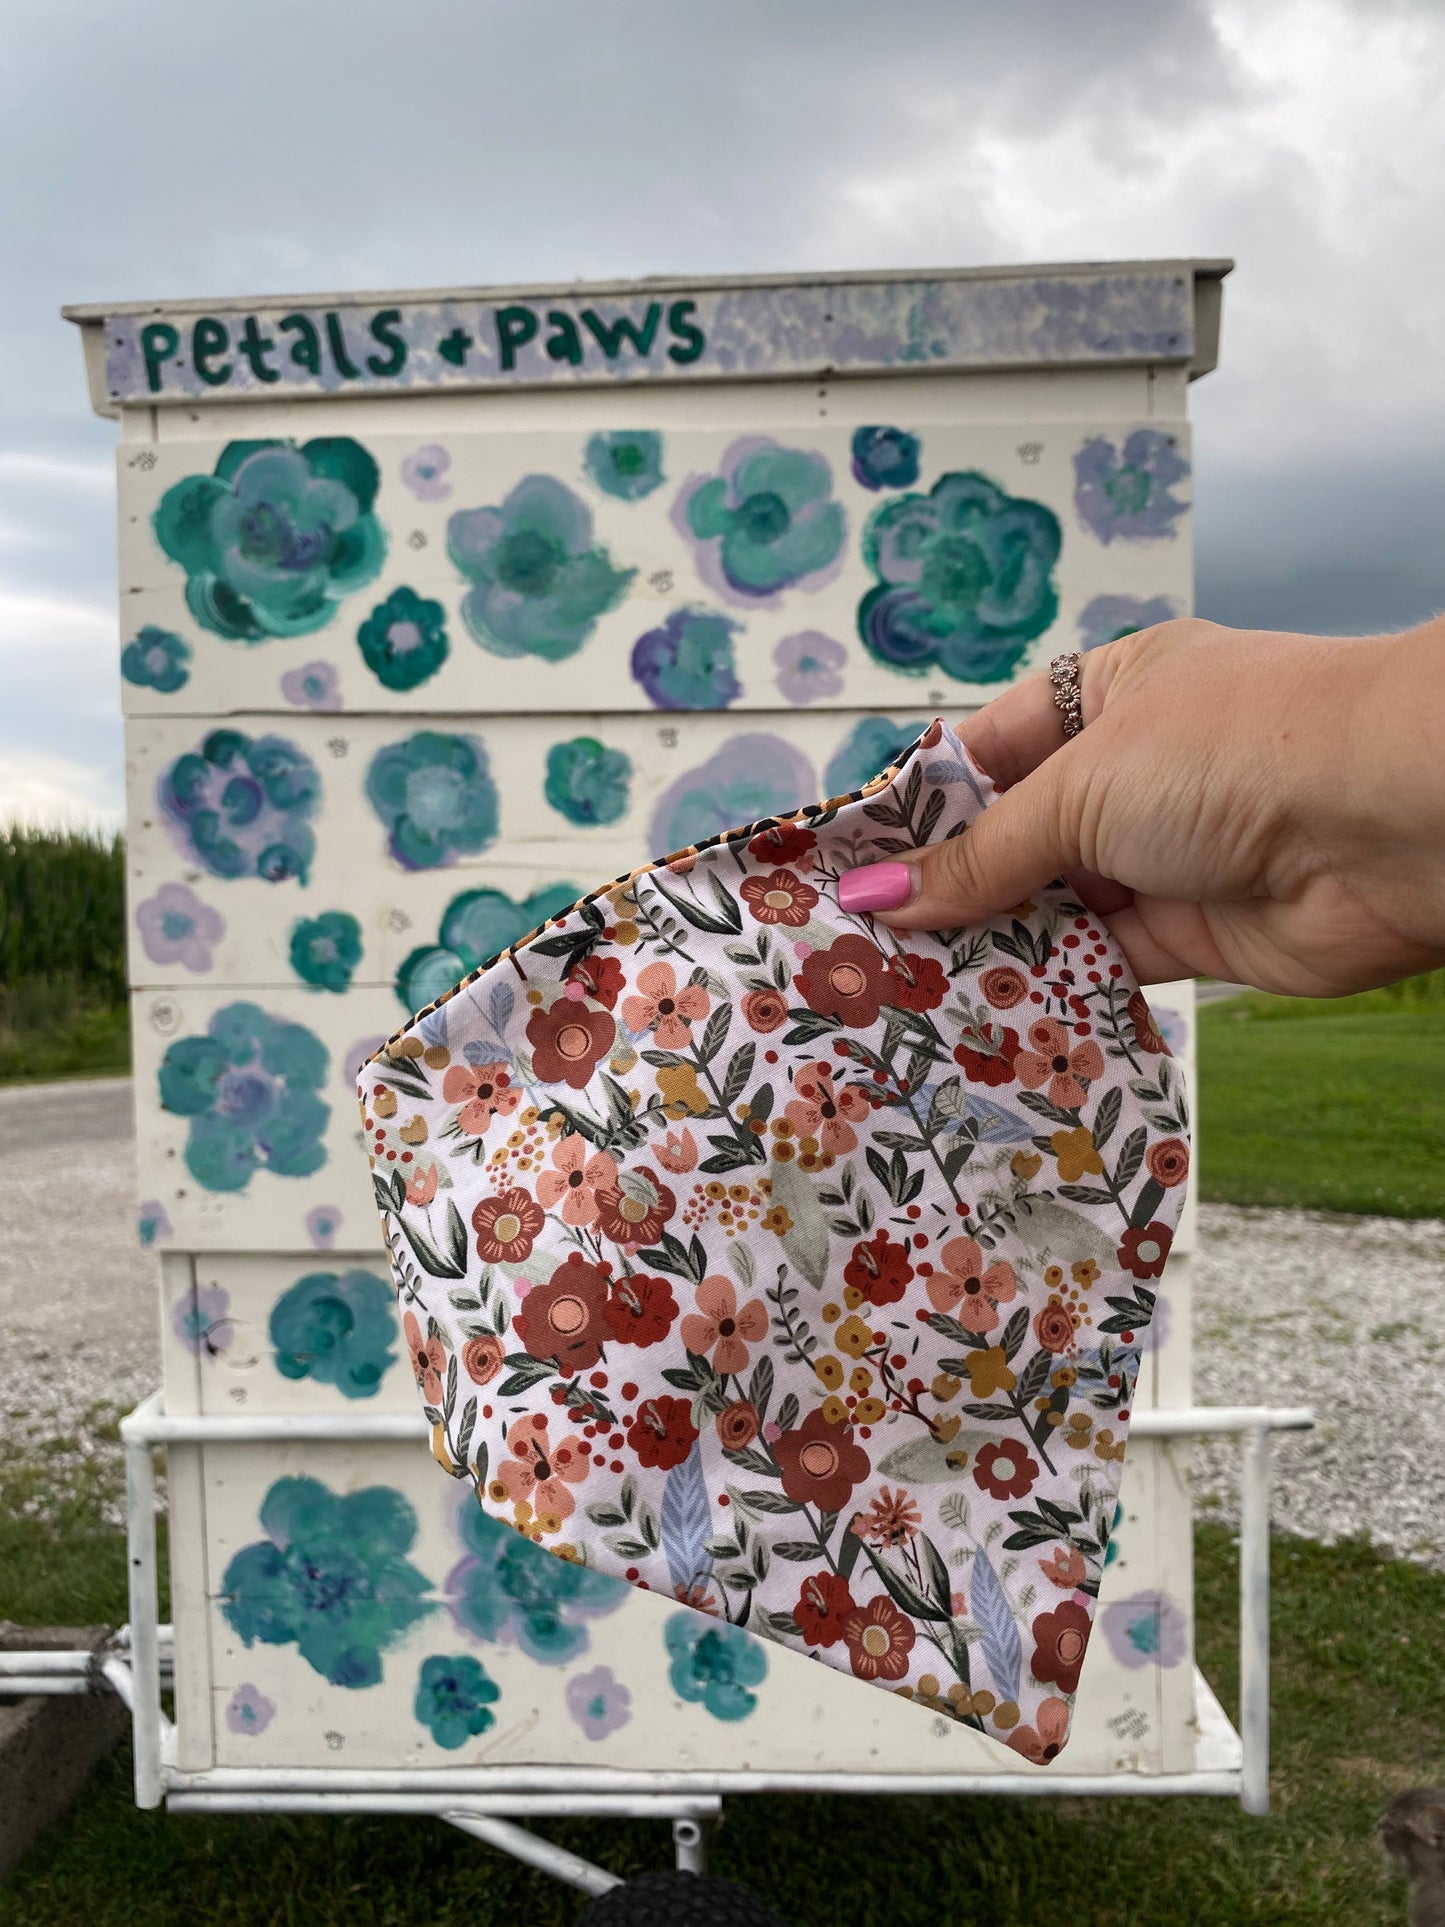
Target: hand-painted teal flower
(868, 749)
(156, 659)
(454, 1697)
(325, 950)
(688, 663)
(884, 457)
(1146, 1629)
(716, 1664)
(249, 1087)
(1126, 491)
(586, 782)
(436, 796)
(748, 778)
(242, 806)
(505, 1588)
(965, 579)
(336, 1328)
(273, 540)
(539, 583)
(153, 1224)
(404, 639)
(476, 926)
(331, 1577)
(625, 462)
(765, 522)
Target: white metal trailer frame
(483, 1801)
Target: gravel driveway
(1291, 1307)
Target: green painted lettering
(383, 329)
(306, 348)
(564, 343)
(210, 338)
(610, 338)
(255, 347)
(515, 328)
(158, 342)
(691, 340)
(345, 366)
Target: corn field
(62, 909)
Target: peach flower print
(969, 1287)
(1050, 1057)
(575, 1179)
(663, 1008)
(719, 1327)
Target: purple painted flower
(425, 470)
(688, 662)
(248, 1710)
(153, 1227)
(765, 522)
(360, 1053)
(1108, 617)
(1147, 1629)
(599, 1702)
(809, 666)
(1174, 1027)
(177, 928)
(746, 779)
(312, 686)
(322, 1222)
(1126, 491)
(201, 1319)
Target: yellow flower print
(622, 1060)
(945, 1387)
(1106, 1446)
(1026, 1164)
(868, 1411)
(682, 1095)
(854, 1337)
(860, 1380)
(776, 1220)
(989, 1371)
(1076, 1154)
(835, 1411)
(1084, 1272)
(830, 1372)
(1079, 1431)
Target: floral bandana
(791, 1267)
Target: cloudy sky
(176, 147)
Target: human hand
(1264, 808)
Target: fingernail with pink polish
(876, 886)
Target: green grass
(1339, 1106)
(1359, 1710)
(54, 1027)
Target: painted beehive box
(413, 656)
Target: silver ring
(1068, 694)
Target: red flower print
(970, 1286)
(820, 1111)
(677, 1152)
(482, 1358)
(640, 1310)
(1054, 1328)
(1003, 986)
(879, 1640)
(662, 1434)
(575, 1178)
(507, 1227)
(987, 1055)
(1052, 1058)
(602, 979)
(824, 1604)
(1168, 1161)
(879, 1268)
(820, 1463)
(565, 1319)
(779, 897)
(539, 1472)
(1004, 1470)
(1147, 1034)
(764, 1010)
(891, 1520)
(567, 1040)
(1143, 1251)
(737, 1425)
(914, 982)
(1064, 1567)
(421, 1185)
(428, 1360)
(1060, 1638)
(633, 1211)
(782, 843)
(663, 1008)
(722, 1329)
(483, 1091)
(847, 981)
(1045, 1740)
